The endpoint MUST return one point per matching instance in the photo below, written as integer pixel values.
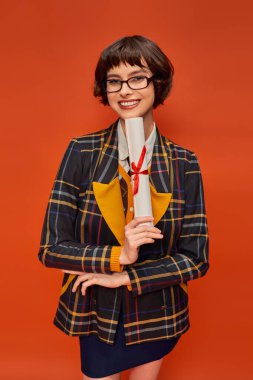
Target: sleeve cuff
(115, 266)
(135, 286)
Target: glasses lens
(136, 83)
(113, 85)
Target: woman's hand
(113, 280)
(135, 236)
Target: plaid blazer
(83, 230)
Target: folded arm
(58, 248)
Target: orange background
(49, 52)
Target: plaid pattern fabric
(75, 236)
(123, 188)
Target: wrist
(125, 278)
(123, 259)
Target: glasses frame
(149, 79)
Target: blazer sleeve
(58, 248)
(191, 260)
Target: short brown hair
(131, 50)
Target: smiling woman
(127, 101)
(147, 58)
(124, 291)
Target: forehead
(124, 68)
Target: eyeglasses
(135, 83)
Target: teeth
(129, 103)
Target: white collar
(123, 147)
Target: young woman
(124, 290)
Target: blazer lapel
(106, 185)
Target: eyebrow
(132, 73)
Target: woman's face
(127, 102)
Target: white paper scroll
(137, 157)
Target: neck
(148, 125)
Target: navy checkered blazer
(83, 230)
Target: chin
(130, 113)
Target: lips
(127, 104)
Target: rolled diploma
(136, 141)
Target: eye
(113, 81)
(139, 78)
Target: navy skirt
(100, 359)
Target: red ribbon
(136, 170)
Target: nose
(125, 89)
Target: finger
(139, 219)
(144, 241)
(85, 286)
(145, 228)
(78, 281)
(144, 234)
